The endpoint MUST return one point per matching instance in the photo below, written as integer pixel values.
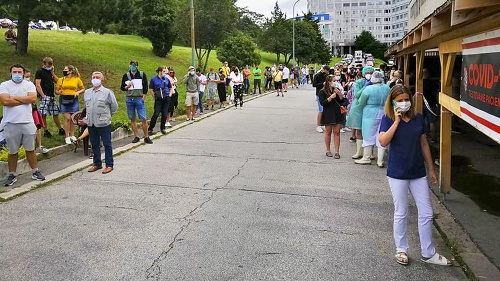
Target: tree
(239, 49)
(310, 47)
(158, 16)
(367, 43)
(214, 22)
(277, 36)
(250, 23)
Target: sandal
(329, 154)
(336, 156)
(437, 259)
(402, 258)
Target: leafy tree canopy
(238, 50)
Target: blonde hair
(74, 71)
(393, 94)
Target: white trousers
(419, 189)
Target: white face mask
(337, 78)
(368, 76)
(403, 106)
(96, 82)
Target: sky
(266, 6)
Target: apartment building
(387, 20)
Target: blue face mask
(48, 68)
(191, 73)
(164, 75)
(133, 68)
(17, 78)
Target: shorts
(320, 107)
(135, 105)
(192, 98)
(17, 134)
(48, 106)
(210, 94)
(228, 81)
(71, 108)
(278, 85)
(285, 81)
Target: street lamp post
(293, 32)
(192, 33)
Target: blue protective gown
(354, 118)
(372, 102)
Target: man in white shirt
(286, 76)
(16, 96)
(203, 83)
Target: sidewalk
(239, 195)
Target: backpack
(130, 77)
(134, 92)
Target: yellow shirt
(69, 86)
(278, 76)
(225, 71)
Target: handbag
(67, 100)
(342, 108)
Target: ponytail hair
(74, 70)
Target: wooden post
(447, 63)
(406, 77)
(419, 82)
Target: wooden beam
(417, 37)
(441, 23)
(474, 4)
(419, 82)
(452, 46)
(450, 104)
(426, 31)
(461, 16)
(406, 77)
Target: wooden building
(467, 34)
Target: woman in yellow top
(69, 87)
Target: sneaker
(201, 113)
(42, 149)
(347, 129)
(135, 140)
(11, 179)
(37, 175)
(61, 132)
(342, 130)
(164, 132)
(47, 134)
(68, 140)
(319, 129)
(150, 132)
(168, 125)
(187, 119)
(351, 139)
(148, 140)
(73, 138)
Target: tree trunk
(22, 29)
(206, 60)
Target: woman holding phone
(332, 118)
(404, 130)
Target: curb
(119, 133)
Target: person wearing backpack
(135, 86)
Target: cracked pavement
(243, 195)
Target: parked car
(5, 23)
(65, 28)
(52, 25)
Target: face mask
(133, 68)
(191, 73)
(96, 82)
(337, 78)
(65, 72)
(402, 106)
(49, 68)
(164, 75)
(332, 84)
(17, 78)
(27, 79)
(368, 76)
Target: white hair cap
(377, 77)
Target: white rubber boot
(367, 152)
(380, 157)
(372, 156)
(359, 150)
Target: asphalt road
(242, 195)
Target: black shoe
(150, 132)
(62, 132)
(135, 140)
(148, 140)
(47, 134)
(164, 132)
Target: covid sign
(480, 89)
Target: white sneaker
(347, 129)
(42, 149)
(73, 138)
(168, 125)
(67, 140)
(319, 129)
(342, 130)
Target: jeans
(200, 103)
(246, 83)
(419, 189)
(161, 106)
(104, 134)
(256, 85)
